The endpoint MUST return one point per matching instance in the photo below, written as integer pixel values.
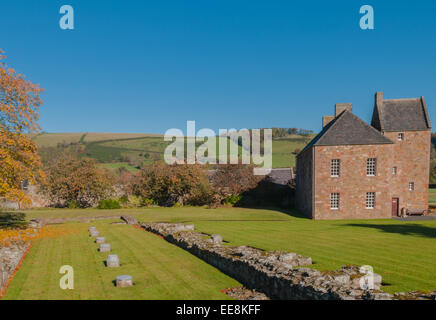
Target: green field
(133, 150)
(402, 252)
(159, 269)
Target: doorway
(395, 206)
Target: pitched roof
(401, 115)
(348, 129)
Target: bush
(146, 202)
(170, 184)
(134, 201)
(79, 180)
(109, 204)
(234, 179)
(72, 204)
(232, 200)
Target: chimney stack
(326, 120)
(340, 107)
(379, 99)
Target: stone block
(100, 240)
(217, 239)
(112, 261)
(124, 281)
(105, 247)
(94, 233)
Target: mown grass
(402, 252)
(159, 269)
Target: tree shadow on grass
(406, 229)
(12, 220)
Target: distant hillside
(131, 150)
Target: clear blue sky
(147, 66)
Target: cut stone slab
(92, 228)
(93, 233)
(217, 239)
(124, 281)
(105, 247)
(100, 240)
(112, 261)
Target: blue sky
(147, 66)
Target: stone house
(355, 170)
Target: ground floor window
(334, 201)
(370, 200)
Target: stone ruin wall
(279, 275)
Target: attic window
(400, 136)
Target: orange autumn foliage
(19, 160)
(9, 236)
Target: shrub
(80, 180)
(134, 201)
(234, 179)
(109, 204)
(170, 184)
(232, 200)
(146, 202)
(72, 204)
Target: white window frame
(370, 200)
(411, 186)
(371, 167)
(394, 171)
(400, 136)
(335, 168)
(335, 201)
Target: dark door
(395, 206)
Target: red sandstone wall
(353, 182)
(412, 157)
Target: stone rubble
(279, 275)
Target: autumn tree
(19, 160)
(76, 181)
(183, 184)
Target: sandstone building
(355, 170)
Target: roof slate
(348, 129)
(402, 115)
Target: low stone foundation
(279, 275)
(10, 257)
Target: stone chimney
(339, 107)
(379, 99)
(326, 120)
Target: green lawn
(402, 252)
(432, 196)
(159, 269)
